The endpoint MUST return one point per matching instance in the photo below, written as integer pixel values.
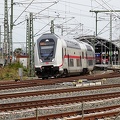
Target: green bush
(10, 72)
(15, 65)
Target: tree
(18, 51)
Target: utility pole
(62, 30)
(110, 44)
(0, 44)
(96, 23)
(27, 36)
(27, 40)
(6, 30)
(100, 11)
(0, 38)
(30, 43)
(10, 46)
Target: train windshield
(46, 51)
(47, 48)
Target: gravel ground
(13, 115)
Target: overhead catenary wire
(110, 9)
(23, 11)
(32, 3)
(36, 34)
(47, 8)
(34, 7)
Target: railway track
(94, 114)
(58, 101)
(64, 101)
(36, 82)
(56, 91)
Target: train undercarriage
(46, 72)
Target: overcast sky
(73, 15)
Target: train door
(64, 57)
(79, 62)
(87, 56)
(83, 59)
(84, 62)
(68, 61)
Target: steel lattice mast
(6, 30)
(10, 50)
(30, 45)
(27, 36)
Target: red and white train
(59, 56)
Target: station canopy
(101, 45)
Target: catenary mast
(30, 45)
(6, 30)
(11, 28)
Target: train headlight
(53, 60)
(40, 60)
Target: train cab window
(47, 47)
(46, 51)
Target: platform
(107, 67)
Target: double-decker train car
(62, 56)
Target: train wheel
(44, 78)
(85, 70)
(65, 73)
(56, 74)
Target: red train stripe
(71, 56)
(76, 57)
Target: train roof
(70, 41)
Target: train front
(45, 50)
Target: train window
(78, 61)
(45, 42)
(86, 55)
(46, 47)
(42, 43)
(65, 51)
(71, 63)
(83, 55)
(62, 53)
(46, 51)
(90, 62)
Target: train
(101, 58)
(61, 56)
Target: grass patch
(10, 72)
